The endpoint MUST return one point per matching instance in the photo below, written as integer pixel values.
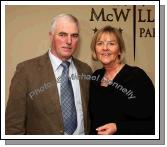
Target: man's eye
(75, 35)
(62, 34)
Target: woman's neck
(111, 71)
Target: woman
(122, 99)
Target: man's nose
(69, 39)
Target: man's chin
(67, 54)
(66, 57)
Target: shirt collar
(56, 61)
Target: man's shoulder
(34, 61)
(82, 65)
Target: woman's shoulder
(98, 72)
(136, 72)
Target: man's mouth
(66, 47)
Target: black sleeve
(92, 95)
(140, 111)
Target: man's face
(64, 39)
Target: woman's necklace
(107, 80)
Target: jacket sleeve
(15, 114)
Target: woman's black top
(129, 101)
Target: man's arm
(16, 107)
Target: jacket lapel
(47, 75)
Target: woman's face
(107, 49)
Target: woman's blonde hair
(117, 33)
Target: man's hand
(107, 129)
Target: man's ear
(51, 36)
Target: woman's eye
(111, 43)
(99, 43)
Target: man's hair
(66, 16)
(110, 30)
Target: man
(40, 91)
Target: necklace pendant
(104, 82)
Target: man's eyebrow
(75, 33)
(62, 33)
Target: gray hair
(63, 15)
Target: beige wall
(27, 27)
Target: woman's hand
(107, 129)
